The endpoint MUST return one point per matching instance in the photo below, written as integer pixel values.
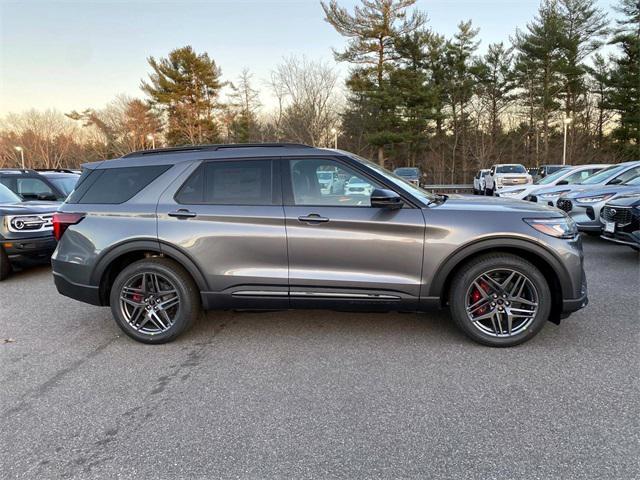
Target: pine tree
(460, 85)
(185, 86)
(538, 71)
(496, 91)
(371, 31)
(624, 97)
(244, 104)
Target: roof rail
(212, 148)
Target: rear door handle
(313, 218)
(182, 213)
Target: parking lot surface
(315, 394)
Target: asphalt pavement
(318, 394)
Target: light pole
(565, 122)
(152, 139)
(334, 131)
(21, 150)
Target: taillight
(62, 221)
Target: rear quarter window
(115, 185)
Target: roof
(168, 156)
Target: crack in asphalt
(96, 453)
(24, 402)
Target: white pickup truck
(506, 175)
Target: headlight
(594, 199)
(563, 227)
(499, 180)
(553, 194)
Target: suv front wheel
(154, 300)
(500, 300)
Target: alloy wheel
(149, 303)
(502, 302)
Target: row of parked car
(28, 200)
(602, 199)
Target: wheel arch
(546, 261)
(117, 258)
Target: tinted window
(7, 196)
(64, 184)
(603, 175)
(511, 169)
(246, 182)
(348, 188)
(580, 176)
(628, 175)
(115, 185)
(29, 188)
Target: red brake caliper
(476, 296)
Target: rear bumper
(83, 293)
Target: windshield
(603, 175)
(406, 172)
(552, 177)
(511, 169)
(7, 196)
(397, 180)
(64, 184)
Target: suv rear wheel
(154, 300)
(500, 300)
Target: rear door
(341, 250)
(228, 218)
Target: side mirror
(615, 181)
(562, 182)
(381, 198)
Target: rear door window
(245, 182)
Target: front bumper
(18, 249)
(623, 238)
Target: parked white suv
(506, 175)
(479, 181)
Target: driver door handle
(182, 213)
(313, 218)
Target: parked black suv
(621, 220)
(26, 230)
(157, 234)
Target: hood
(498, 204)
(599, 190)
(26, 208)
(626, 199)
(524, 187)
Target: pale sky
(70, 55)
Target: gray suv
(160, 234)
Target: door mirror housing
(381, 198)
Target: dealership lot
(312, 394)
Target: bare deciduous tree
(307, 98)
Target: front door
(341, 250)
(228, 218)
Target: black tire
(488, 192)
(463, 279)
(187, 292)
(5, 265)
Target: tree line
(411, 97)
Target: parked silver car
(613, 175)
(564, 176)
(584, 205)
(158, 234)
